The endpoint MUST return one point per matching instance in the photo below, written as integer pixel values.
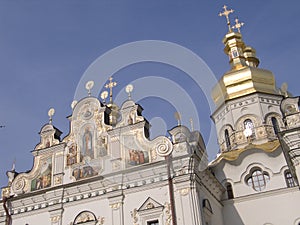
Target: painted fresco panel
(43, 180)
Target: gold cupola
(244, 77)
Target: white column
(116, 205)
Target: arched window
(207, 211)
(248, 124)
(258, 180)
(290, 182)
(227, 139)
(275, 125)
(229, 191)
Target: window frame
(289, 179)
(258, 179)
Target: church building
(107, 170)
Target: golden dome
(243, 81)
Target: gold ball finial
(129, 89)
(50, 114)
(73, 104)
(88, 86)
(104, 95)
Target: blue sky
(46, 46)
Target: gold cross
(226, 14)
(237, 25)
(110, 85)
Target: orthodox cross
(110, 85)
(237, 25)
(226, 14)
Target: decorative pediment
(87, 141)
(290, 109)
(39, 177)
(290, 106)
(150, 210)
(130, 114)
(187, 141)
(150, 203)
(50, 136)
(85, 217)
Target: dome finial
(88, 86)
(129, 89)
(177, 116)
(50, 114)
(103, 96)
(226, 13)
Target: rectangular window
(154, 222)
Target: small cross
(110, 85)
(226, 14)
(237, 25)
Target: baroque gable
(96, 147)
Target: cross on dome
(226, 14)
(110, 86)
(238, 25)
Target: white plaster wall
(277, 208)
(236, 171)
(217, 207)
(40, 217)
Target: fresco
(72, 155)
(88, 170)
(102, 151)
(43, 180)
(136, 157)
(87, 144)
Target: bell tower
(247, 99)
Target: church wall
(216, 217)
(276, 207)
(32, 218)
(236, 172)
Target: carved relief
(153, 154)
(100, 220)
(55, 219)
(164, 147)
(115, 206)
(19, 184)
(168, 213)
(84, 217)
(134, 216)
(184, 191)
(58, 180)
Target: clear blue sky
(46, 46)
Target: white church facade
(108, 171)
